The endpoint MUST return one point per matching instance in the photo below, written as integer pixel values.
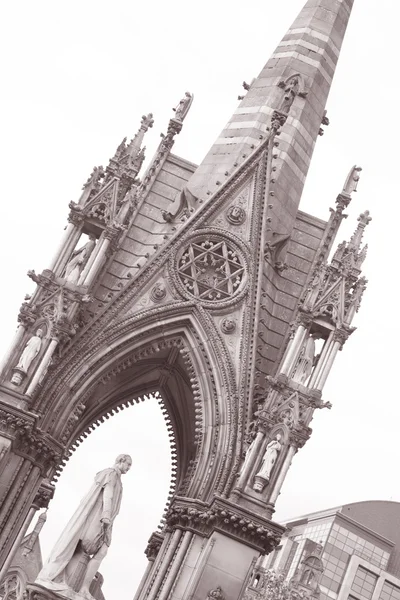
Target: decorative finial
(355, 240)
(182, 109)
(147, 122)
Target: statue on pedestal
(183, 107)
(78, 260)
(268, 462)
(76, 557)
(29, 353)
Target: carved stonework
(216, 594)
(228, 326)
(223, 516)
(43, 496)
(236, 215)
(154, 545)
(158, 293)
(211, 269)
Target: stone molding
(226, 517)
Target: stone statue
(306, 360)
(183, 107)
(30, 352)
(268, 462)
(78, 260)
(350, 185)
(216, 594)
(87, 537)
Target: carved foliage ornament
(218, 517)
(211, 270)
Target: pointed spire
(134, 147)
(31, 539)
(296, 82)
(356, 238)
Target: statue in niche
(78, 260)
(306, 361)
(29, 353)
(76, 557)
(269, 459)
(183, 107)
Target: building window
(346, 542)
(11, 588)
(364, 583)
(389, 592)
(274, 557)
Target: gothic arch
(183, 357)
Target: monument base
(54, 591)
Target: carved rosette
(236, 215)
(228, 326)
(226, 517)
(211, 268)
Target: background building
(360, 550)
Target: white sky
(77, 77)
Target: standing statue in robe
(183, 107)
(78, 260)
(87, 537)
(30, 352)
(268, 462)
(306, 360)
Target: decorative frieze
(228, 518)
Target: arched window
(12, 587)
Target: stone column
(97, 263)
(210, 545)
(249, 462)
(321, 361)
(16, 544)
(282, 474)
(319, 384)
(66, 246)
(177, 564)
(41, 369)
(165, 564)
(14, 344)
(293, 349)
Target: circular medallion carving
(228, 325)
(236, 215)
(211, 269)
(158, 292)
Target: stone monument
(84, 543)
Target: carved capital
(43, 496)
(154, 545)
(226, 517)
(341, 336)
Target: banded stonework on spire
(296, 80)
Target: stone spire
(296, 81)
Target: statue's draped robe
(102, 501)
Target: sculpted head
(123, 463)
(39, 333)
(278, 437)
